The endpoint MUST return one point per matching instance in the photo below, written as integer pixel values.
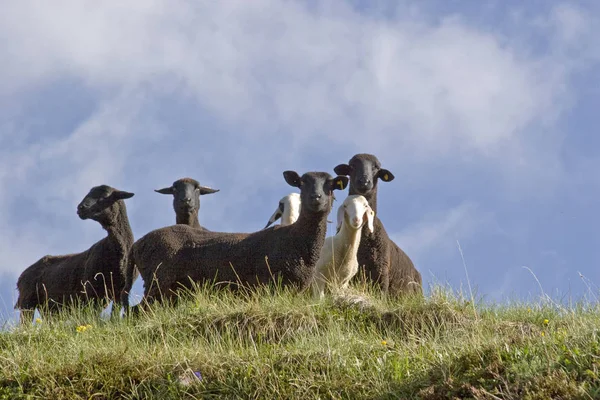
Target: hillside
(284, 346)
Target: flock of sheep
(295, 253)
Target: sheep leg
(318, 287)
(129, 271)
(115, 311)
(26, 316)
(124, 300)
(143, 305)
(353, 270)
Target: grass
(280, 345)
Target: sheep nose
(187, 200)
(315, 196)
(80, 206)
(364, 181)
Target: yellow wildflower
(83, 328)
(529, 310)
(543, 333)
(546, 322)
(383, 343)
(38, 320)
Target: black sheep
(379, 258)
(172, 257)
(90, 276)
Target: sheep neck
(118, 228)
(189, 218)
(371, 196)
(350, 236)
(314, 223)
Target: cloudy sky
(486, 115)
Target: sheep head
(288, 210)
(186, 194)
(355, 212)
(364, 171)
(100, 203)
(316, 189)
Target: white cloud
(405, 90)
(433, 88)
(439, 231)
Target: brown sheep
(186, 200)
(173, 257)
(381, 260)
(90, 276)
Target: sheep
(337, 263)
(288, 210)
(186, 203)
(381, 260)
(173, 257)
(186, 200)
(90, 276)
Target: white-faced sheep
(186, 200)
(90, 276)
(381, 259)
(288, 210)
(173, 257)
(337, 263)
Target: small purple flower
(190, 377)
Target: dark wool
(379, 258)
(90, 276)
(173, 257)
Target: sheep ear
(292, 178)
(121, 195)
(340, 218)
(340, 182)
(385, 175)
(342, 169)
(369, 217)
(207, 190)
(168, 190)
(276, 215)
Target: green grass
(279, 345)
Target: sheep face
(186, 194)
(364, 171)
(316, 189)
(98, 203)
(288, 210)
(355, 212)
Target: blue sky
(486, 115)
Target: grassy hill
(266, 345)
